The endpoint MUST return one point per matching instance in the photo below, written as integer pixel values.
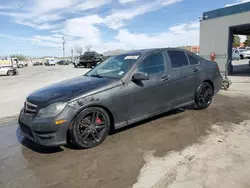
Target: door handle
(165, 78)
(195, 69)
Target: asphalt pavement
(15, 89)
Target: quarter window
(152, 64)
(192, 60)
(178, 58)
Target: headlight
(52, 110)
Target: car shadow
(70, 145)
(35, 147)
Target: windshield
(115, 67)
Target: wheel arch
(210, 82)
(111, 116)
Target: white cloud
(85, 30)
(46, 6)
(46, 11)
(237, 2)
(5, 7)
(184, 34)
(83, 27)
(44, 26)
(118, 17)
(127, 1)
(90, 4)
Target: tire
(10, 73)
(89, 65)
(20, 66)
(225, 85)
(241, 57)
(85, 125)
(204, 96)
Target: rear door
(179, 91)
(184, 76)
(194, 73)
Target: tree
(236, 42)
(88, 48)
(79, 50)
(19, 57)
(247, 41)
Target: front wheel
(204, 96)
(90, 127)
(10, 73)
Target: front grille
(25, 129)
(30, 108)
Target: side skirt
(149, 115)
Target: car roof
(146, 51)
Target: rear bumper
(44, 131)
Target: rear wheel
(90, 127)
(241, 57)
(204, 96)
(20, 66)
(89, 65)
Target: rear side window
(152, 64)
(178, 58)
(192, 60)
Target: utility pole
(63, 41)
(72, 55)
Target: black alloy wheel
(91, 127)
(204, 95)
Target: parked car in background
(236, 55)
(22, 64)
(50, 62)
(37, 63)
(89, 59)
(241, 52)
(63, 62)
(8, 71)
(246, 54)
(122, 90)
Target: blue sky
(36, 27)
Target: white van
(50, 62)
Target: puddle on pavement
(116, 162)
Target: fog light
(58, 122)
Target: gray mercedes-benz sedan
(122, 90)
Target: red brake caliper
(98, 120)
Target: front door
(148, 96)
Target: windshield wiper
(96, 75)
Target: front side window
(115, 67)
(152, 64)
(178, 58)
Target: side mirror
(140, 76)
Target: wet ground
(118, 161)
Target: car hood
(67, 90)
